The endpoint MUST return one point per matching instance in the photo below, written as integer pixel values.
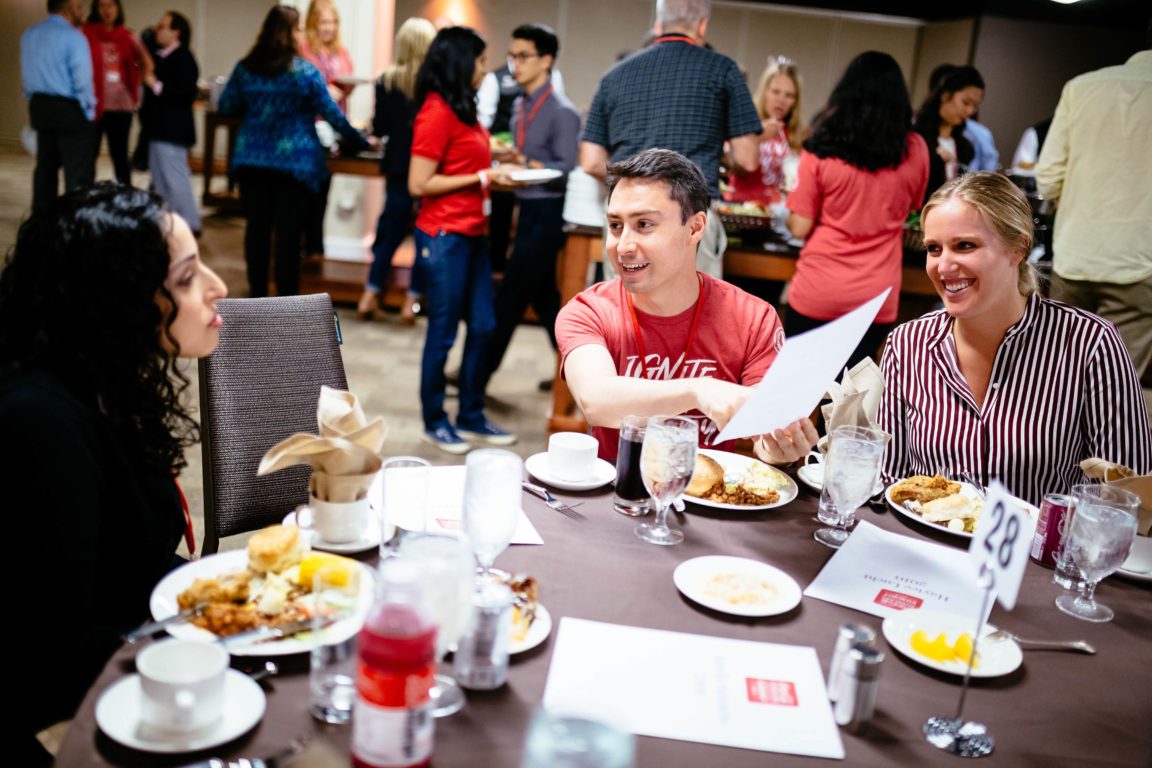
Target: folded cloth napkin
(1120, 476)
(855, 400)
(344, 457)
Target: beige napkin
(856, 399)
(1122, 477)
(345, 455)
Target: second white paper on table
(713, 690)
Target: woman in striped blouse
(1003, 384)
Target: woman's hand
(501, 177)
(771, 127)
(785, 446)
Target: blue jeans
(458, 286)
(394, 224)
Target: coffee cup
(571, 455)
(335, 522)
(183, 684)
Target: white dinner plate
(163, 604)
(812, 475)
(535, 175)
(994, 658)
(737, 585)
(965, 488)
(602, 474)
(369, 538)
(538, 631)
(1138, 566)
(119, 707)
(734, 463)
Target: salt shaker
(848, 635)
(860, 677)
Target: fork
(553, 502)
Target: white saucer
(602, 474)
(535, 175)
(996, 658)
(538, 631)
(118, 715)
(1138, 566)
(769, 592)
(812, 475)
(369, 539)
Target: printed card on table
(711, 690)
(882, 573)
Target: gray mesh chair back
(260, 386)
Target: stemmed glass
(1099, 541)
(850, 472)
(446, 573)
(491, 503)
(667, 460)
(403, 496)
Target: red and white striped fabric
(1062, 390)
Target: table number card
(1001, 543)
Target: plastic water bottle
(392, 724)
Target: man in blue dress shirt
(56, 73)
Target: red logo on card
(897, 600)
(779, 692)
(449, 523)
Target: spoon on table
(1076, 646)
(267, 670)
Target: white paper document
(882, 573)
(444, 507)
(712, 690)
(801, 373)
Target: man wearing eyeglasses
(545, 131)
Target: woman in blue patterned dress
(278, 161)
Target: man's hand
(719, 400)
(784, 446)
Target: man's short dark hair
(540, 35)
(55, 6)
(179, 23)
(686, 182)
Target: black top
(394, 116)
(510, 90)
(168, 117)
(937, 172)
(95, 529)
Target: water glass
(404, 499)
(630, 497)
(492, 493)
(850, 472)
(1066, 573)
(559, 741)
(667, 460)
(332, 672)
(1099, 541)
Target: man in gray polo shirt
(545, 129)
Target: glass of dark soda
(631, 497)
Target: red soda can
(1050, 528)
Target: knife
(265, 634)
(152, 627)
(278, 760)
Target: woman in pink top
(862, 170)
(777, 102)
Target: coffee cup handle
(185, 703)
(814, 457)
(299, 514)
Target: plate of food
(724, 480)
(737, 585)
(266, 585)
(943, 642)
(535, 175)
(531, 622)
(947, 505)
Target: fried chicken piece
(229, 588)
(923, 489)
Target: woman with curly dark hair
(102, 292)
(940, 120)
(451, 168)
(862, 171)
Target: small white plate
(602, 474)
(734, 463)
(118, 715)
(995, 658)
(163, 604)
(1138, 566)
(369, 539)
(766, 590)
(965, 488)
(812, 475)
(535, 175)
(538, 631)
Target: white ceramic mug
(336, 522)
(571, 455)
(183, 684)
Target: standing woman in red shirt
(777, 102)
(119, 64)
(862, 171)
(451, 170)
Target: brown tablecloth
(1057, 709)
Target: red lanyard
(524, 121)
(675, 38)
(640, 336)
(189, 534)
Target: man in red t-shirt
(662, 338)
